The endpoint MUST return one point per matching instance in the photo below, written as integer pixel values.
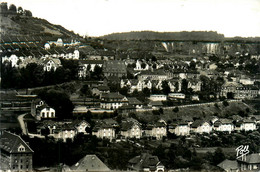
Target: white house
(50, 63)
(81, 126)
(176, 96)
(224, 125)
(248, 125)
(112, 100)
(181, 129)
(157, 130)
(139, 66)
(130, 129)
(45, 111)
(201, 126)
(103, 130)
(158, 97)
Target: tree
(12, 8)
(28, 13)
(4, 7)
(59, 100)
(192, 65)
(184, 85)
(123, 91)
(20, 10)
(218, 156)
(176, 109)
(166, 88)
(147, 92)
(143, 65)
(225, 103)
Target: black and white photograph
(130, 85)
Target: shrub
(176, 109)
(225, 103)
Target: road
(22, 124)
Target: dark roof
(11, 142)
(144, 161)
(198, 123)
(134, 101)
(156, 103)
(103, 88)
(112, 95)
(127, 125)
(90, 163)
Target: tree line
(33, 75)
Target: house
(158, 97)
(250, 162)
(157, 130)
(50, 64)
(89, 163)
(145, 162)
(195, 98)
(229, 165)
(112, 100)
(88, 66)
(239, 91)
(181, 128)
(194, 84)
(47, 124)
(201, 126)
(16, 154)
(131, 128)
(224, 125)
(132, 101)
(155, 104)
(81, 126)
(104, 130)
(153, 75)
(64, 131)
(98, 90)
(138, 66)
(114, 68)
(176, 96)
(248, 125)
(45, 112)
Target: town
(70, 103)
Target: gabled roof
(134, 101)
(228, 165)
(11, 142)
(144, 161)
(89, 163)
(112, 95)
(251, 159)
(125, 126)
(198, 123)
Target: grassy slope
(31, 26)
(201, 111)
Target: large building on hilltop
(16, 155)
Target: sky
(101, 17)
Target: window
(21, 167)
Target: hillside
(19, 23)
(151, 35)
(205, 111)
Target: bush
(225, 103)
(176, 109)
(156, 112)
